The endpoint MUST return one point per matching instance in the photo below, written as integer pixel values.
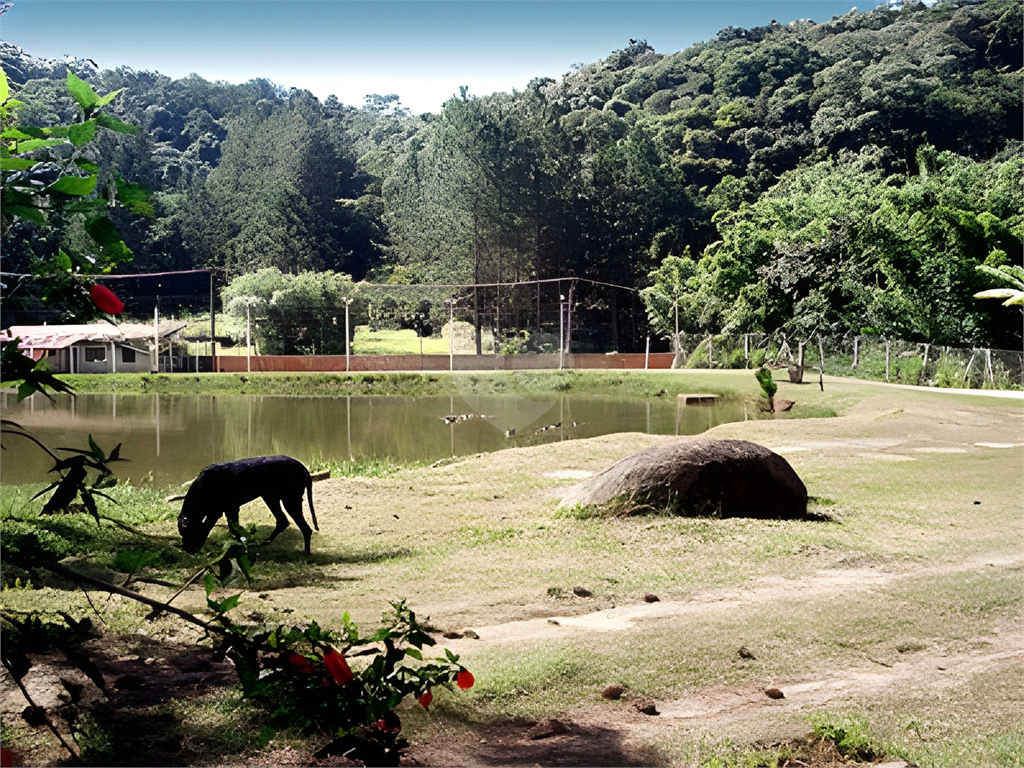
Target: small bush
(849, 734)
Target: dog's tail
(309, 497)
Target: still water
(169, 438)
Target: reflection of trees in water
(198, 430)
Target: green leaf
(210, 582)
(113, 124)
(97, 452)
(5, 88)
(110, 97)
(246, 566)
(18, 134)
(74, 185)
(90, 504)
(33, 144)
(63, 261)
(26, 389)
(15, 163)
(107, 237)
(82, 133)
(230, 602)
(25, 212)
(86, 166)
(415, 653)
(82, 92)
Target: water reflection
(169, 438)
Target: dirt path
(621, 734)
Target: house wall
(107, 365)
(141, 364)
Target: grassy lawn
(892, 625)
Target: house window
(127, 355)
(95, 354)
(51, 353)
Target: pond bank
(620, 383)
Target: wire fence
(574, 315)
(864, 357)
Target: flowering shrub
(341, 683)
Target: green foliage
(301, 676)
(768, 385)
(850, 735)
(823, 176)
(296, 314)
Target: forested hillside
(838, 175)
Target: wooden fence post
(886, 359)
(967, 370)
(856, 351)
(821, 364)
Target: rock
(646, 707)
(782, 405)
(746, 653)
(613, 692)
(650, 597)
(700, 476)
(470, 634)
(545, 729)
(452, 635)
(581, 592)
(774, 693)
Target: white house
(93, 348)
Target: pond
(169, 438)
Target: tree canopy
(840, 175)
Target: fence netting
(866, 357)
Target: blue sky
(423, 51)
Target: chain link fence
(864, 357)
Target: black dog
(223, 488)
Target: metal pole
(451, 335)
(156, 338)
(647, 354)
(248, 337)
(348, 344)
(568, 320)
(561, 331)
(213, 330)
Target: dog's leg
(294, 506)
(282, 521)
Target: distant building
(93, 348)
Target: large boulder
(724, 478)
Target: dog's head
(195, 521)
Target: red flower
(300, 662)
(425, 699)
(9, 757)
(105, 299)
(338, 667)
(465, 679)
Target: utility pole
(348, 344)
